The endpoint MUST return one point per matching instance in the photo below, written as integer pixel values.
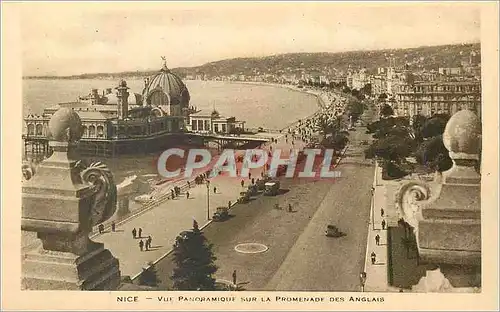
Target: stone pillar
(122, 94)
(61, 202)
(446, 213)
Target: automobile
(272, 188)
(221, 214)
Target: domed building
(166, 91)
(123, 122)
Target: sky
(75, 38)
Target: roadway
(300, 256)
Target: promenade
(165, 221)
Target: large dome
(166, 89)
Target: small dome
(170, 87)
(65, 125)
(463, 133)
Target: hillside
(431, 57)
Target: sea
(260, 105)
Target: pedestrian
(242, 183)
(149, 241)
(253, 180)
(140, 232)
(381, 212)
(101, 228)
(383, 224)
(113, 226)
(134, 233)
(290, 208)
(141, 245)
(374, 257)
(215, 189)
(372, 190)
(234, 277)
(377, 239)
(229, 204)
(249, 175)
(189, 184)
(187, 195)
(172, 194)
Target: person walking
(383, 224)
(149, 241)
(242, 183)
(253, 180)
(113, 226)
(249, 175)
(382, 212)
(215, 189)
(140, 232)
(189, 184)
(141, 245)
(187, 195)
(377, 240)
(101, 228)
(234, 277)
(373, 257)
(134, 233)
(172, 194)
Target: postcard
(250, 155)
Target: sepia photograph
(236, 155)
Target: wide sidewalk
(377, 274)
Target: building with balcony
(436, 97)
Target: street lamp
(208, 200)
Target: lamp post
(208, 200)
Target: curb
(372, 208)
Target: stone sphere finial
(65, 126)
(462, 135)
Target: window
(39, 129)
(200, 125)
(224, 128)
(194, 125)
(207, 125)
(216, 127)
(31, 129)
(85, 131)
(100, 131)
(92, 131)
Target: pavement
(383, 198)
(320, 263)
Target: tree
(355, 108)
(195, 261)
(336, 142)
(392, 148)
(149, 276)
(386, 111)
(433, 154)
(434, 126)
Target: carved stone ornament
(98, 175)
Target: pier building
(124, 122)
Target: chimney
(122, 94)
